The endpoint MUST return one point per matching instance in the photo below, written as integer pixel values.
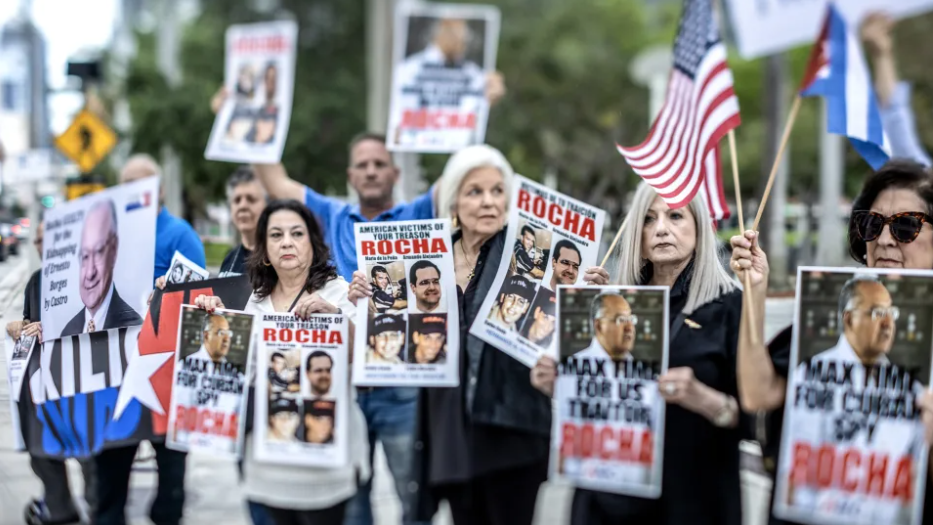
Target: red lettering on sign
(608, 444)
(853, 471)
(407, 246)
(557, 215)
(206, 422)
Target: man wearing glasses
(103, 306)
(613, 328)
(425, 281)
(565, 264)
(867, 317)
(215, 339)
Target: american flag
(680, 156)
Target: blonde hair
(709, 279)
(460, 165)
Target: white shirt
(101, 314)
(596, 350)
(309, 488)
(203, 355)
(894, 437)
(440, 309)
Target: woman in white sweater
(290, 271)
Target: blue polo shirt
(173, 234)
(337, 218)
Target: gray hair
(112, 208)
(599, 302)
(460, 165)
(242, 175)
(849, 289)
(709, 280)
(206, 323)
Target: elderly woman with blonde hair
(483, 446)
(700, 480)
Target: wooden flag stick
(738, 204)
(791, 118)
(614, 242)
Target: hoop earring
(265, 262)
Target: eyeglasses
(574, 265)
(429, 282)
(624, 319)
(878, 312)
(224, 333)
(904, 227)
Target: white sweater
(309, 488)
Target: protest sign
(852, 450)
(208, 398)
(302, 390)
(183, 270)
(98, 259)
(111, 388)
(18, 353)
(767, 27)
(259, 75)
(608, 431)
(550, 241)
(442, 55)
(409, 334)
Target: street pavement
(213, 491)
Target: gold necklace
(472, 265)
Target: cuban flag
(837, 72)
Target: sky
(69, 26)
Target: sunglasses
(904, 227)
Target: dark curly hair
(896, 174)
(264, 278)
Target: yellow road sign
(87, 141)
(75, 190)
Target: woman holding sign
(700, 480)
(889, 228)
(483, 445)
(290, 272)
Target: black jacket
(500, 398)
(119, 315)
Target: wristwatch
(726, 414)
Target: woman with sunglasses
(890, 227)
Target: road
(211, 483)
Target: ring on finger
(670, 389)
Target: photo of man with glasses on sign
(565, 264)
(613, 328)
(424, 278)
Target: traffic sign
(75, 189)
(87, 141)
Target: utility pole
(167, 59)
(776, 113)
(830, 250)
(380, 22)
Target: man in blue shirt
(893, 95)
(115, 465)
(390, 412)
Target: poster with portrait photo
(852, 450)
(608, 429)
(209, 383)
(552, 240)
(184, 270)
(302, 391)
(98, 256)
(17, 355)
(409, 335)
(259, 75)
(442, 55)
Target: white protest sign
(852, 449)
(766, 27)
(410, 333)
(608, 428)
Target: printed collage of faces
(407, 313)
(255, 117)
(541, 261)
(302, 407)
